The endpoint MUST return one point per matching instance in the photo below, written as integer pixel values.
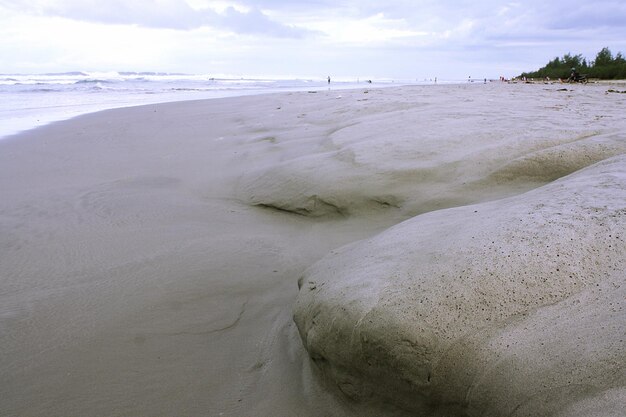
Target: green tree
(605, 66)
(604, 58)
(574, 61)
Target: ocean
(28, 101)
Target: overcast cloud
(164, 14)
(376, 39)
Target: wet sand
(150, 256)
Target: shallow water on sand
(28, 101)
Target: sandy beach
(153, 258)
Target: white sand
(150, 256)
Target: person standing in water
(329, 79)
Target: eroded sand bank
(150, 256)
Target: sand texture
(444, 250)
(512, 307)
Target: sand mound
(349, 181)
(382, 156)
(513, 307)
(320, 185)
(554, 162)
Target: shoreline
(22, 124)
(63, 105)
(152, 254)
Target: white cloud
(373, 29)
(66, 43)
(395, 38)
(166, 14)
(218, 6)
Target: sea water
(28, 101)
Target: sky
(347, 39)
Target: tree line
(605, 67)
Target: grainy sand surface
(150, 256)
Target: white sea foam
(28, 101)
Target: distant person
(329, 79)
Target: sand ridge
(512, 306)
